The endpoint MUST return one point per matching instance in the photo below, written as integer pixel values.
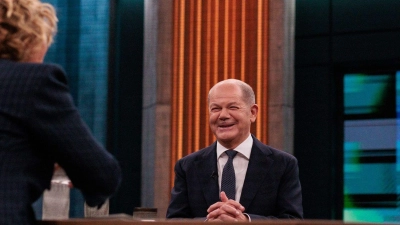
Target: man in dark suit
(39, 124)
(265, 182)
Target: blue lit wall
(81, 48)
(371, 148)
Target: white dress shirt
(240, 163)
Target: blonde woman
(39, 123)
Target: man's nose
(224, 114)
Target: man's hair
(247, 91)
(24, 25)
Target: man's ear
(253, 111)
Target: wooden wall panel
(215, 40)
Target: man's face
(230, 116)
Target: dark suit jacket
(39, 125)
(271, 188)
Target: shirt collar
(244, 148)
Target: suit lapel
(257, 171)
(207, 173)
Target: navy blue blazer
(271, 188)
(39, 125)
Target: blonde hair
(24, 26)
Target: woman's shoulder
(14, 65)
(32, 74)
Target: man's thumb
(223, 197)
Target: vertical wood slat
(215, 40)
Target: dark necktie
(228, 183)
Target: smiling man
(237, 178)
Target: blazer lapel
(257, 171)
(207, 173)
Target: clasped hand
(226, 210)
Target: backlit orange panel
(215, 40)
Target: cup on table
(97, 212)
(56, 200)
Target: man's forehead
(226, 90)
(225, 99)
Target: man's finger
(214, 206)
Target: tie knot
(231, 153)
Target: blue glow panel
(363, 94)
(371, 148)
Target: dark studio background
(331, 37)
